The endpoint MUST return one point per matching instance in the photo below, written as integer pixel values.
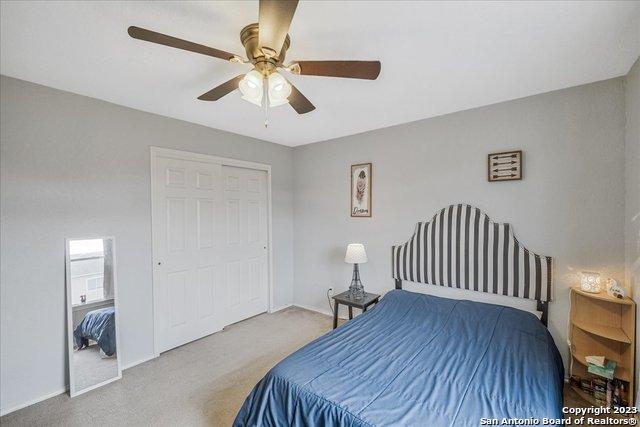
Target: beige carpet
(199, 384)
(90, 369)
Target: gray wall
(73, 166)
(569, 204)
(632, 190)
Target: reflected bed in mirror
(92, 313)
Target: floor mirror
(92, 314)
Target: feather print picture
(361, 190)
(361, 185)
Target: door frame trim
(156, 152)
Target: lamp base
(356, 289)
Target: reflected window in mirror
(89, 271)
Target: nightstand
(345, 299)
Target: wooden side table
(345, 299)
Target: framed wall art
(361, 190)
(505, 166)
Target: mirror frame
(72, 389)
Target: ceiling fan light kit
(251, 87)
(279, 90)
(266, 44)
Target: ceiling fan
(266, 44)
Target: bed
(99, 326)
(418, 359)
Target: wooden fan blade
(299, 102)
(153, 37)
(222, 90)
(273, 23)
(368, 70)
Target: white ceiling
(437, 58)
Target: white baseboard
(325, 312)
(282, 307)
(4, 412)
(137, 362)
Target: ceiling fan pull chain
(265, 99)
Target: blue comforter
(100, 326)
(415, 360)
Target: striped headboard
(462, 248)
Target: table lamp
(590, 282)
(356, 255)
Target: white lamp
(356, 255)
(251, 87)
(590, 282)
(279, 90)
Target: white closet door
(245, 249)
(210, 247)
(188, 267)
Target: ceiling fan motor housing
(264, 59)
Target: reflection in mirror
(91, 314)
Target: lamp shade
(279, 90)
(251, 87)
(355, 254)
(590, 281)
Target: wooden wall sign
(506, 166)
